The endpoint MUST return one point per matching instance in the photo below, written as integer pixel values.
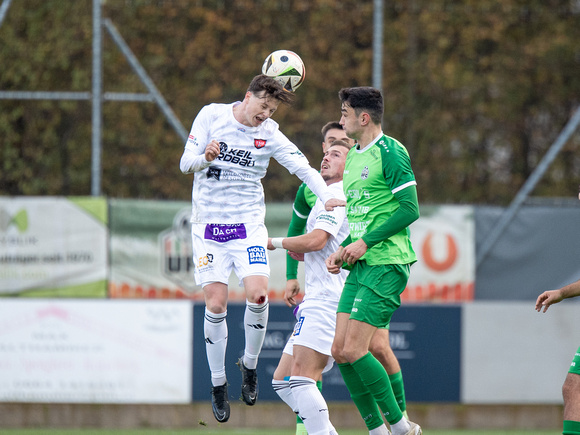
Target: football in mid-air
(286, 67)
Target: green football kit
(381, 196)
(379, 185)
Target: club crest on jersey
(365, 173)
(259, 143)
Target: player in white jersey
(308, 351)
(228, 150)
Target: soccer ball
(286, 67)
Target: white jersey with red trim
(229, 190)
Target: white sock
(215, 329)
(312, 406)
(401, 427)
(255, 322)
(381, 430)
(282, 388)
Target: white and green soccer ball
(286, 67)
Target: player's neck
(368, 135)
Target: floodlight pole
(378, 45)
(97, 100)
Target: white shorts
(219, 248)
(315, 327)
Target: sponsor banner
(95, 351)
(417, 334)
(53, 246)
(444, 240)
(151, 252)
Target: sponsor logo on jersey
(298, 326)
(259, 143)
(205, 260)
(329, 218)
(257, 255)
(192, 139)
(358, 229)
(235, 156)
(358, 209)
(213, 172)
(223, 232)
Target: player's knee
(336, 351)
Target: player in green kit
(571, 387)
(381, 193)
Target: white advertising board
(513, 354)
(95, 351)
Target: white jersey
(228, 190)
(319, 283)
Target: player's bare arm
(310, 242)
(554, 296)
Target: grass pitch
(223, 430)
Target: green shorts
(371, 294)
(575, 366)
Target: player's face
(335, 134)
(350, 122)
(259, 107)
(332, 166)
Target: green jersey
(372, 178)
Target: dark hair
(341, 143)
(364, 99)
(271, 87)
(329, 126)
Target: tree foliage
(476, 89)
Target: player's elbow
(317, 243)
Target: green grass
(234, 431)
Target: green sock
(375, 377)
(571, 427)
(399, 389)
(361, 396)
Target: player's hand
(334, 202)
(269, 245)
(334, 261)
(548, 298)
(292, 289)
(298, 256)
(212, 150)
(354, 251)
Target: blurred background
(96, 100)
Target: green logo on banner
(19, 220)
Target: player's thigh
(250, 254)
(308, 363)
(212, 259)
